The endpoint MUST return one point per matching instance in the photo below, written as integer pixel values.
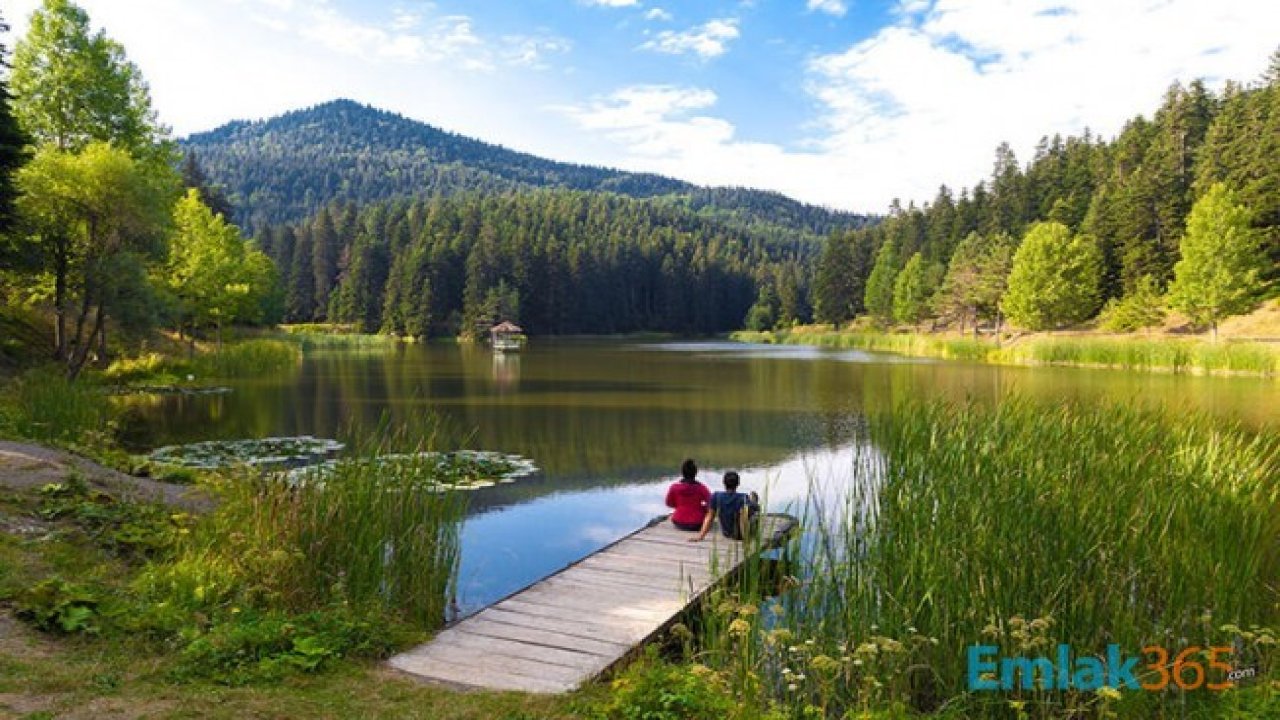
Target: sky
(842, 103)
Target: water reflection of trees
(599, 414)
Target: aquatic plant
(461, 469)
(256, 452)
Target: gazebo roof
(506, 326)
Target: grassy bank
(247, 358)
(1129, 353)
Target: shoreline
(1176, 356)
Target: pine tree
(12, 146)
(911, 292)
(880, 284)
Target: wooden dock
(578, 623)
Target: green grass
(247, 358)
(1129, 353)
(1024, 526)
(43, 405)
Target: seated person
(735, 510)
(689, 498)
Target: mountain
(286, 168)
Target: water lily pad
(270, 452)
(460, 470)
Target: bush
(59, 607)
(656, 690)
(248, 647)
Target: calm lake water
(609, 422)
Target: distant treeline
(1119, 211)
(556, 261)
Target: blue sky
(845, 103)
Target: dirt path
(26, 466)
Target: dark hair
(689, 470)
(731, 480)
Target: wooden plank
(600, 606)
(477, 671)
(490, 627)
(568, 627)
(446, 644)
(588, 580)
(575, 624)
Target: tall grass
(1130, 353)
(241, 359)
(1142, 354)
(44, 405)
(1024, 526)
(373, 534)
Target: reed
(1021, 526)
(44, 405)
(371, 534)
(1131, 353)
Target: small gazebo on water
(506, 336)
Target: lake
(608, 422)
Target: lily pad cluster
(170, 390)
(272, 452)
(460, 470)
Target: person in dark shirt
(689, 498)
(734, 509)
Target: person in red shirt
(689, 498)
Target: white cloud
(658, 15)
(926, 100)
(831, 7)
(707, 41)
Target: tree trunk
(60, 305)
(1213, 330)
(82, 351)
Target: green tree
(880, 284)
(1219, 274)
(1054, 280)
(90, 214)
(911, 292)
(215, 277)
(976, 279)
(75, 87)
(763, 315)
(838, 287)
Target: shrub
(59, 607)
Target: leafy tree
(1054, 280)
(911, 292)
(89, 214)
(880, 284)
(215, 278)
(1219, 274)
(1143, 308)
(763, 315)
(75, 87)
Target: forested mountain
(1109, 219)
(556, 261)
(286, 168)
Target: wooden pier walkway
(576, 624)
